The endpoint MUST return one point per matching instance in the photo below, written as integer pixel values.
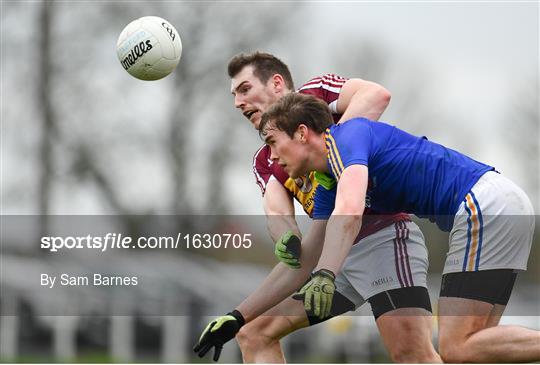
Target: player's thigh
(463, 292)
(459, 318)
(472, 301)
(402, 327)
(495, 315)
(402, 314)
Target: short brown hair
(294, 109)
(264, 65)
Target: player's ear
(302, 131)
(278, 83)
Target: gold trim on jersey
(333, 155)
(303, 189)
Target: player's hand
(288, 249)
(318, 293)
(218, 332)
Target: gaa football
(149, 48)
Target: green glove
(218, 332)
(319, 290)
(287, 250)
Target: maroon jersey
(327, 88)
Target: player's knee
(405, 353)
(452, 352)
(412, 331)
(257, 334)
(450, 355)
(249, 338)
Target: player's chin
(292, 172)
(256, 119)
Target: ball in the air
(149, 48)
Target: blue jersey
(406, 173)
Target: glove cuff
(326, 273)
(239, 317)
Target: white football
(149, 48)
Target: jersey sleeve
(349, 144)
(261, 170)
(326, 87)
(324, 202)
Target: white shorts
(493, 228)
(393, 257)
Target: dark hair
(264, 65)
(294, 109)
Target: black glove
(218, 332)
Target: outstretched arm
(279, 284)
(282, 281)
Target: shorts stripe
(405, 238)
(474, 233)
(396, 259)
(467, 247)
(480, 232)
(401, 255)
(471, 260)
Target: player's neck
(319, 153)
(284, 92)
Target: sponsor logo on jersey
(304, 183)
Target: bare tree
(48, 126)
(78, 131)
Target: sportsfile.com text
(120, 241)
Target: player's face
(251, 96)
(289, 153)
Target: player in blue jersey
(490, 219)
(386, 267)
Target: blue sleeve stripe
(333, 149)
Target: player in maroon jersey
(379, 265)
